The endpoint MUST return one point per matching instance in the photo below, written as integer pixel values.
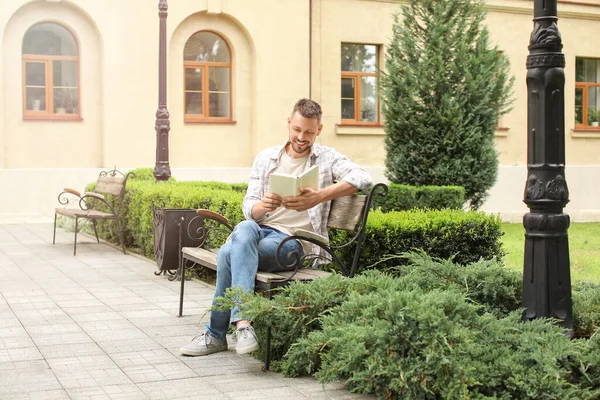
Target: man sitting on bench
(271, 218)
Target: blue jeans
(251, 247)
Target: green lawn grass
(584, 249)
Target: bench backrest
(112, 182)
(351, 213)
(110, 185)
(346, 212)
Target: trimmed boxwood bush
(469, 235)
(466, 236)
(406, 197)
(137, 219)
(442, 234)
(177, 195)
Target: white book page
(284, 185)
(287, 185)
(310, 178)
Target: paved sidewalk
(101, 325)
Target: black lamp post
(546, 275)
(162, 171)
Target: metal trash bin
(167, 223)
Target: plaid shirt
(333, 166)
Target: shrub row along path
(101, 325)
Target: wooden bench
(348, 213)
(93, 206)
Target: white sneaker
(204, 344)
(246, 340)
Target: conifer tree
(443, 92)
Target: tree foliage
(444, 90)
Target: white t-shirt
(282, 219)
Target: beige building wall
(50, 144)
(270, 71)
(351, 21)
(510, 23)
(119, 86)
(281, 51)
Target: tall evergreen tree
(444, 90)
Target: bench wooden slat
(301, 275)
(200, 256)
(268, 277)
(208, 259)
(346, 212)
(76, 212)
(110, 185)
(315, 273)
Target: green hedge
(137, 219)
(443, 233)
(146, 174)
(466, 236)
(407, 197)
(176, 195)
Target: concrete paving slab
(26, 377)
(20, 354)
(58, 394)
(102, 325)
(70, 350)
(108, 392)
(111, 346)
(92, 370)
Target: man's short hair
(308, 109)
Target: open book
(287, 185)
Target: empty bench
(94, 206)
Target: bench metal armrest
(297, 261)
(72, 191)
(96, 195)
(68, 196)
(208, 214)
(90, 201)
(198, 231)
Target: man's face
(303, 133)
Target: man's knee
(248, 230)
(223, 257)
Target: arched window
(50, 73)
(207, 67)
